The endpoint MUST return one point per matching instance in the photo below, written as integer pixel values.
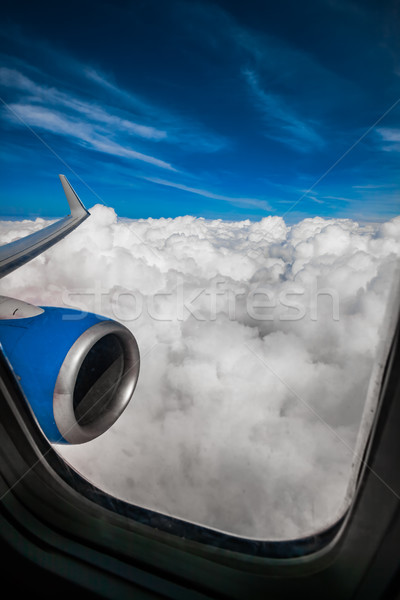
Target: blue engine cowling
(77, 370)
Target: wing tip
(75, 203)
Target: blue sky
(218, 109)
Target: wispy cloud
(104, 127)
(374, 186)
(183, 131)
(83, 133)
(51, 96)
(390, 135)
(87, 123)
(281, 122)
(243, 202)
(260, 58)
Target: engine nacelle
(77, 370)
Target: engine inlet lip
(63, 409)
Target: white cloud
(244, 416)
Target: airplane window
(240, 164)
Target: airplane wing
(21, 251)
(79, 389)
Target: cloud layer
(257, 342)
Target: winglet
(75, 204)
(15, 254)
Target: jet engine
(78, 371)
